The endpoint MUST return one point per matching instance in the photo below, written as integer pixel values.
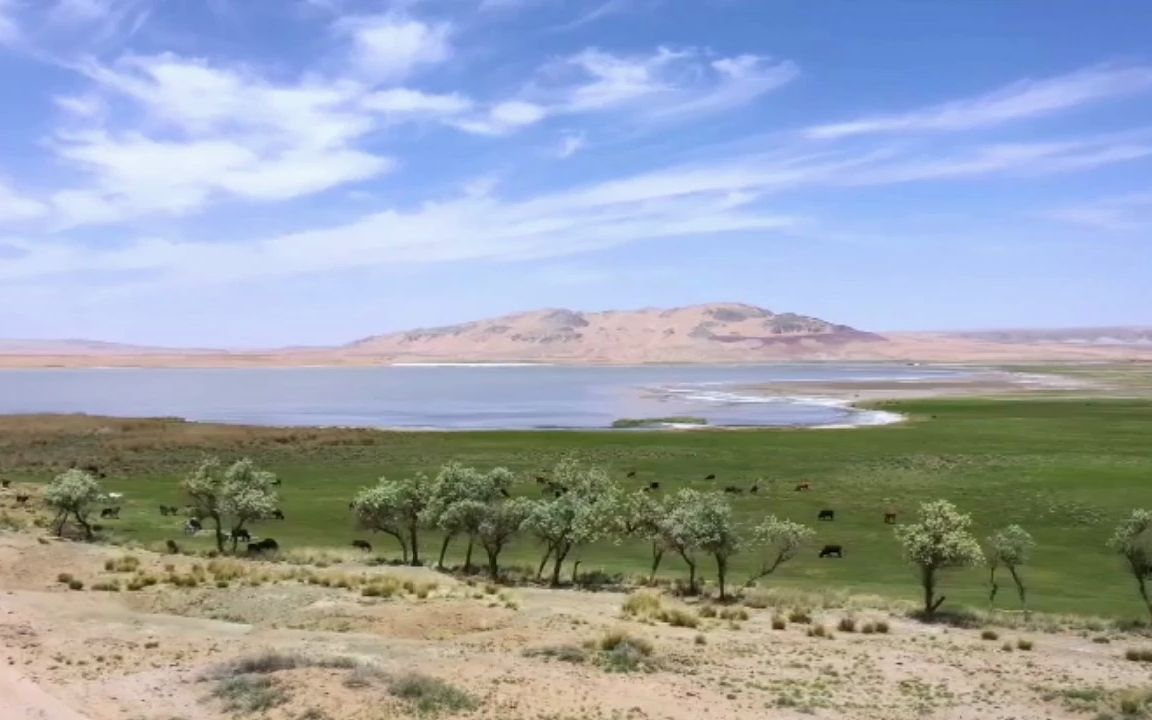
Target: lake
(454, 397)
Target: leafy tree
(1133, 540)
(1009, 547)
(582, 513)
(456, 484)
(396, 508)
(641, 516)
(499, 523)
(72, 494)
(231, 496)
(777, 541)
(717, 535)
(695, 522)
(939, 540)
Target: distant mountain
(714, 331)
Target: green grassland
(1066, 469)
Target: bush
(429, 695)
(882, 626)
(1006, 647)
(799, 616)
(1138, 654)
(779, 622)
(817, 630)
(868, 628)
(700, 639)
(249, 693)
(989, 635)
(642, 604)
(620, 652)
(733, 614)
(677, 617)
(123, 564)
(707, 611)
(1022, 644)
(64, 578)
(75, 585)
(846, 624)
(106, 586)
(1132, 704)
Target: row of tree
(466, 504)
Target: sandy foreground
(143, 655)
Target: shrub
(779, 622)
(1132, 704)
(75, 585)
(642, 604)
(868, 628)
(1138, 654)
(700, 639)
(362, 676)
(733, 614)
(817, 630)
(799, 615)
(1006, 647)
(64, 578)
(621, 652)
(429, 695)
(707, 611)
(882, 626)
(123, 564)
(846, 624)
(677, 617)
(989, 635)
(106, 586)
(1022, 644)
(249, 693)
(563, 653)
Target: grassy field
(1067, 470)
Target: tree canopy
(73, 493)
(938, 540)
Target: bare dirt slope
(162, 652)
(717, 332)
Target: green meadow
(1066, 469)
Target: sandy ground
(143, 655)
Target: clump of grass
(734, 614)
(642, 604)
(989, 635)
(268, 662)
(779, 622)
(429, 695)
(799, 615)
(383, 586)
(700, 639)
(677, 617)
(106, 586)
(1023, 644)
(882, 626)
(64, 578)
(847, 624)
(621, 652)
(1139, 654)
(75, 585)
(564, 653)
(818, 630)
(1006, 647)
(1132, 704)
(362, 676)
(122, 564)
(707, 611)
(868, 628)
(250, 693)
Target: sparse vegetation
(250, 693)
(429, 695)
(622, 652)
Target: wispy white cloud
(502, 118)
(1018, 101)
(1121, 213)
(16, 208)
(571, 144)
(9, 27)
(392, 46)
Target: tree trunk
(691, 572)
(468, 555)
(558, 564)
(219, 534)
(721, 574)
(413, 533)
(84, 524)
(1019, 588)
(61, 518)
(1142, 585)
(543, 563)
(993, 588)
(657, 556)
(928, 579)
(443, 551)
(494, 564)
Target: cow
(115, 496)
(94, 471)
(826, 515)
(710, 476)
(541, 480)
(241, 534)
(277, 514)
(733, 490)
(362, 545)
(110, 512)
(23, 499)
(654, 485)
(173, 548)
(832, 551)
(265, 545)
(890, 517)
(631, 473)
(505, 493)
(192, 526)
(803, 487)
(5, 484)
(754, 489)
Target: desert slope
(711, 333)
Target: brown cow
(803, 487)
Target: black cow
(112, 512)
(192, 526)
(733, 490)
(265, 545)
(94, 471)
(832, 551)
(890, 517)
(826, 515)
(362, 545)
(241, 534)
(173, 548)
(631, 473)
(23, 499)
(505, 493)
(277, 514)
(754, 489)
(654, 485)
(710, 476)
(540, 480)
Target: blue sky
(265, 172)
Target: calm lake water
(451, 397)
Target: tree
(693, 523)
(1133, 540)
(1009, 547)
(582, 513)
(456, 484)
(395, 507)
(937, 541)
(777, 541)
(717, 535)
(231, 497)
(641, 516)
(72, 494)
(499, 523)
